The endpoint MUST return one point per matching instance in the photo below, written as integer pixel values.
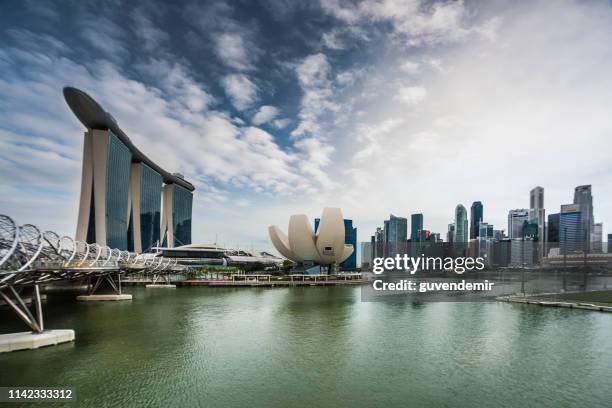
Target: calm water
(317, 347)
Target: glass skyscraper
(461, 224)
(150, 206)
(416, 227)
(552, 229)
(476, 214)
(571, 229)
(121, 188)
(396, 234)
(516, 221)
(584, 198)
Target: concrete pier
(29, 340)
(161, 285)
(103, 298)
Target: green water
(316, 347)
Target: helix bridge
(30, 258)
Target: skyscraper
(350, 237)
(461, 224)
(450, 235)
(516, 220)
(597, 237)
(416, 226)
(536, 197)
(397, 234)
(176, 217)
(552, 232)
(476, 214)
(571, 229)
(537, 214)
(121, 188)
(584, 198)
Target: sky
(278, 107)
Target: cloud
(147, 31)
(411, 95)
(241, 90)
(231, 49)
(265, 114)
(415, 23)
(332, 41)
(281, 123)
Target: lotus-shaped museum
(303, 246)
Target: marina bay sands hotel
(127, 201)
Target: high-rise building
(366, 255)
(584, 198)
(121, 188)
(450, 235)
(416, 227)
(537, 214)
(536, 197)
(476, 214)
(597, 237)
(571, 229)
(516, 220)
(380, 243)
(144, 207)
(350, 237)
(552, 229)
(461, 224)
(397, 234)
(176, 217)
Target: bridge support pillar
(115, 285)
(38, 337)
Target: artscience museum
(303, 246)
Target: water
(216, 347)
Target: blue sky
(279, 107)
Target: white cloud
(411, 95)
(410, 67)
(332, 41)
(231, 49)
(265, 114)
(414, 22)
(240, 89)
(281, 123)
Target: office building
(584, 198)
(537, 214)
(416, 227)
(461, 224)
(450, 235)
(597, 238)
(476, 214)
(552, 228)
(516, 220)
(396, 229)
(571, 229)
(121, 188)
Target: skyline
(412, 105)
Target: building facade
(516, 220)
(121, 189)
(476, 217)
(461, 224)
(416, 227)
(584, 198)
(571, 229)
